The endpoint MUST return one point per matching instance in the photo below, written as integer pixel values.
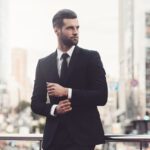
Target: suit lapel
(52, 72)
(52, 68)
(73, 61)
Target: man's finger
(65, 103)
(51, 92)
(50, 84)
(68, 109)
(61, 110)
(51, 88)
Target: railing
(141, 139)
(20, 137)
(109, 138)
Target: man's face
(69, 33)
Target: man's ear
(56, 30)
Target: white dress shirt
(59, 64)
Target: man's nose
(75, 31)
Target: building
(19, 85)
(19, 65)
(4, 52)
(110, 119)
(4, 41)
(134, 58)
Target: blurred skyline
(118, 30)
(31, 29)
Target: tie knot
(64, 56)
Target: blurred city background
(118, 29)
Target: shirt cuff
(69, 93)
(53, 110)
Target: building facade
(19, 85)
(4, 40)
(134, 58)
(4, 52)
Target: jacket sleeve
(97, 92)
(39, 96)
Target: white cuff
(69, 93)
(53, 110)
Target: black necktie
(64, 68)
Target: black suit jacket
(87, 79)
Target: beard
(69, 41)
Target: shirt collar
(69, 52)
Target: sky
(31, 28)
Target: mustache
(75, 36)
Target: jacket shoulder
(87, 51)
(47, 58)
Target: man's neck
(64, 48)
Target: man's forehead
(73, 21)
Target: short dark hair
(63, 14)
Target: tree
(21, 106)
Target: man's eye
(70, 28)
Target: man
(74, 80)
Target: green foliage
(22, 105)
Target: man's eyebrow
(70, 26)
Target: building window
(147, 23)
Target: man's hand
(55, 89)
(63, 107)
